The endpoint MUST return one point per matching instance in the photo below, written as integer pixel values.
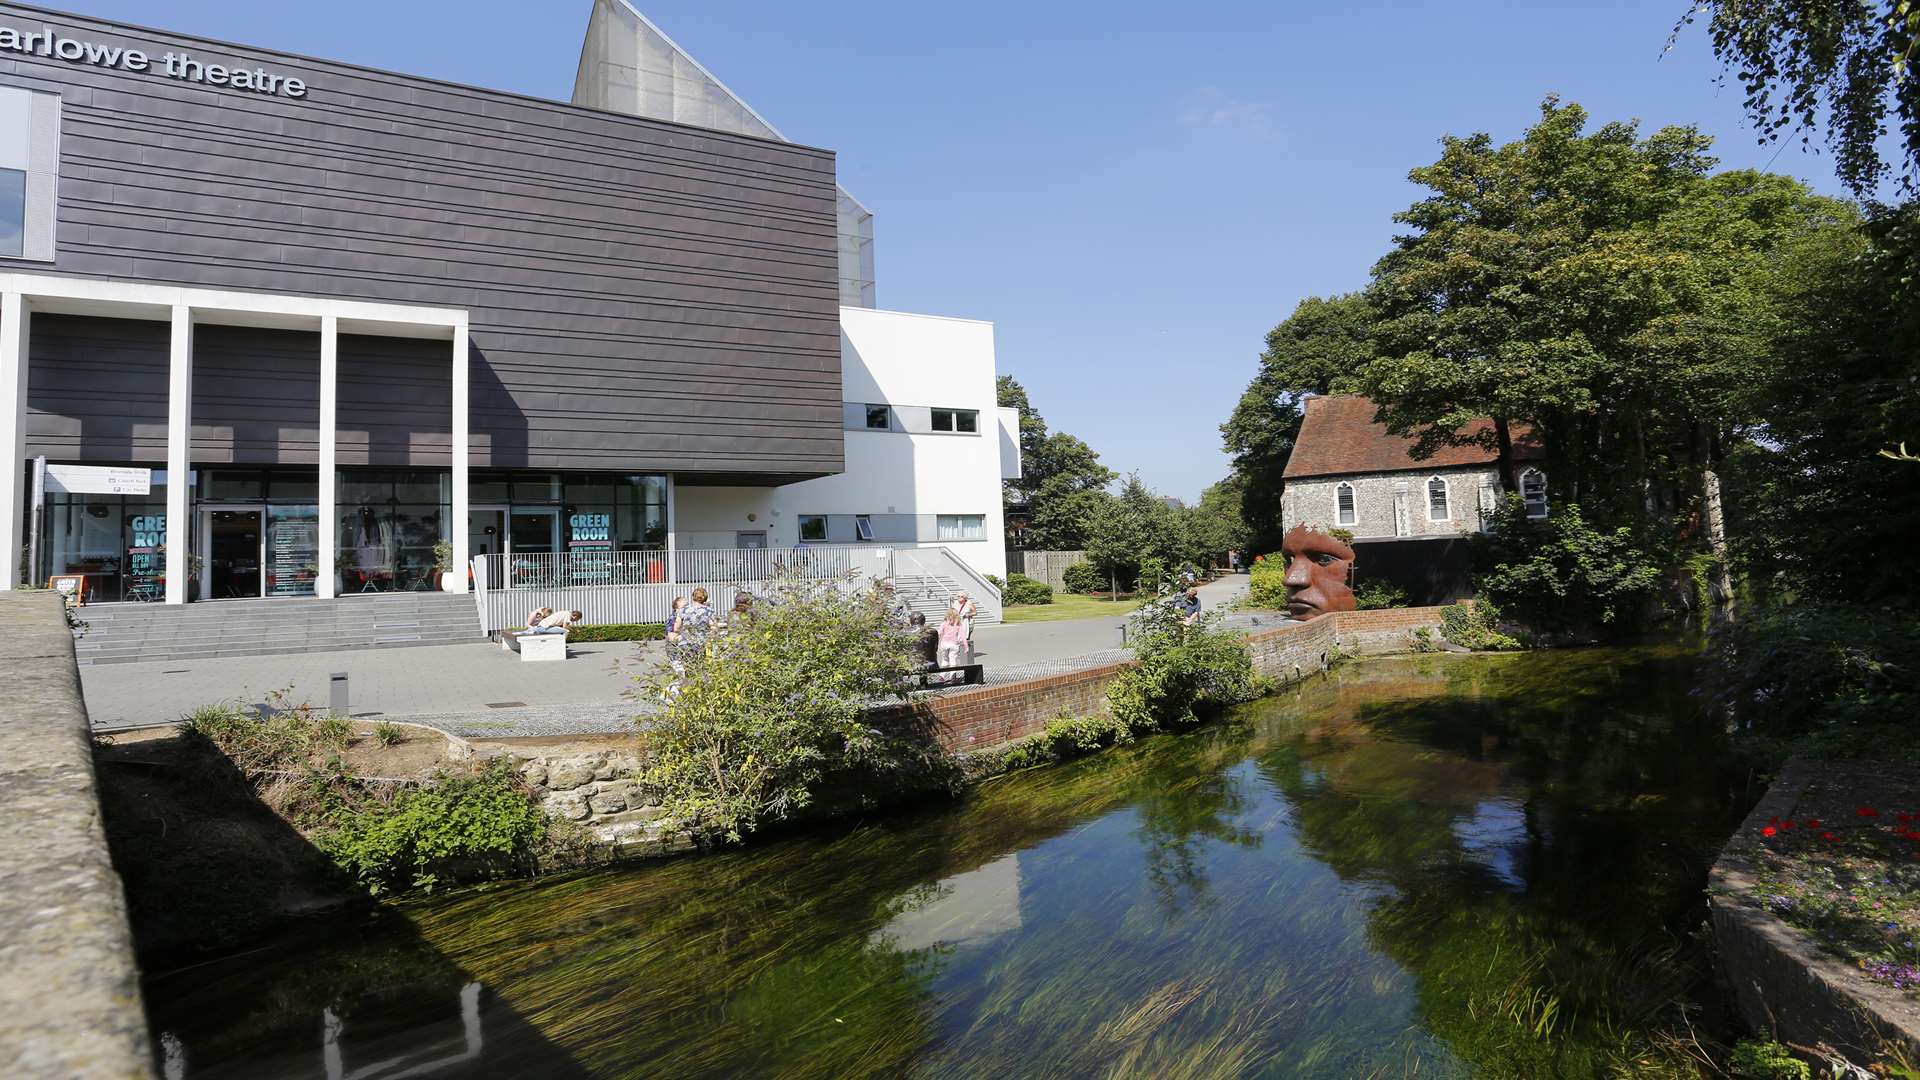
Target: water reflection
(1463, 866)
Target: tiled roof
(1339, 435)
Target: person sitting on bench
(926, 642)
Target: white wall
(913, 363)
(712, 517)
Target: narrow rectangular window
(1345, 512)
(13, 212)
(879, 417)
(813, 527)
(863, 527)
(1533, 492)
(1437, 508)
(943, 419)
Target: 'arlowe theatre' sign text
(174, 65)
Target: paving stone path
(479, 691)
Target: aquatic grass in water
(1445, 866)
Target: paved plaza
(480, 691)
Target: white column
(179, 458)
(458, 454)
(14, 318)
(323, 585)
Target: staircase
(130, 633)
(929, 594)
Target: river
(1431, 866)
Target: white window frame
(824, 530)
(30, 145)
(1353, 499)
(1446, 498)
(954, 526)
(863, 527)
(1545, 507)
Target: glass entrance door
(487, 535)
(533, 539)
(234, 542)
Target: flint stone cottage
(1409, 518)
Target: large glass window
(389, 521)
(959, 421)
(117, 543)
(813, 527)
(961, 526)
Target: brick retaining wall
(985, 717)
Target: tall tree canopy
(1321, 348)
(1851, 59)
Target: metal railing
(635, 586)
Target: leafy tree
(1217, 525)
(1562, 574)
(1851, 59)
(1605, 289)
(1058, 474)
(1321, 348)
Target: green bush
(487, 822)
(1755, 1059)
(1561, 574)
(1021, 589)
(1267, 584)
(1793, 669)
(1084, 578)
(757, 720)
(1180, 668)
(1377, 593)
(650, 631)
(1475, 627)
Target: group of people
(949, 645)
(691, 621)
(545, 620)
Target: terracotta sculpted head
(1318, 567)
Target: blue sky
(1134, 193)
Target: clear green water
(1446, 866)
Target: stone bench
(535, 647)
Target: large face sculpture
(1317, 571)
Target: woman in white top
(964, 607)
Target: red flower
(1786, 825)
(1768, 831)
(1867, 811)
(1773, 821)
(1826, 836)
(1813, 823)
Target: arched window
(1345, 512)
(1438, 508)
(1533, 492)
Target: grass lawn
(1071, 606)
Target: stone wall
(599, 792)
(1782, 983)
(1312, 502)
(69, 989)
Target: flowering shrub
(1853, 887)
(1180, 668)
(759, 716)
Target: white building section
(926, 448)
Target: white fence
(634, 587)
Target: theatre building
(276, 326)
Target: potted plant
(443, 565)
